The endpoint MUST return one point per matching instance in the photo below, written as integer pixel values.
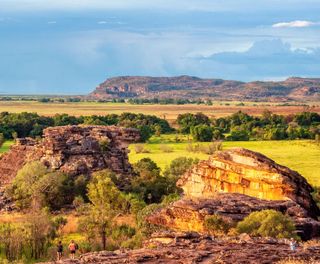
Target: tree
(188, 120)
(203, 133)
(35, 185)
(267, 223)
(238, 135)
(106, 203)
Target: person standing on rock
(72, 248)
(59, 250)
(293, 245)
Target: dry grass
(170, 112)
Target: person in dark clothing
(59, 250)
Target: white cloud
(52, 22)
(294, 24)
(102, 22)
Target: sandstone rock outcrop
(73, 150)
(180, 248)
(247, 172)
(233, 184)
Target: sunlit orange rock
(243, 171)
(235, 183)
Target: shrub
(238, 135)
(166, 148)
(104, 144)
(145, 227)
(267, 223)
(140, 149)
(211, 148)
(203, 133)
(217, 225)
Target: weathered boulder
(233, 184)
(73, 150)
(247, 172)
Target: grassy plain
(170, 112)
(300, 155)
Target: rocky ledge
(73, 150)
(191, 248)
(235, 183)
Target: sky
(70, 46)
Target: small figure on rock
(73, 247)
(293, 244)
(59, 250)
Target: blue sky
(70, 46)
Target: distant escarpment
(187, 87)
(73, 150)
(235, 183)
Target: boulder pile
(73, 150)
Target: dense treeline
(241, 126)
(31, 124)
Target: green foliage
(149, 184)
(316, 195)
(36, 185)
(217, 225)
(104, 144)
(202, 133)
(107, 202)
(31, 124)
(188, 120)
(30, 239)
(267, 223)
(238, 135)
(144, 226)
(179, 166)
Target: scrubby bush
(217, 225)
(267, 223)
(140, 148)
(144, 226)
(166, 148)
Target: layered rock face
(243, 171)
(73, 150)
(235, 183)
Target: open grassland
(170, 112)
(302, 156)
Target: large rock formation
(243, 171)
(189, 87)
(73, 150)
(235, 183)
